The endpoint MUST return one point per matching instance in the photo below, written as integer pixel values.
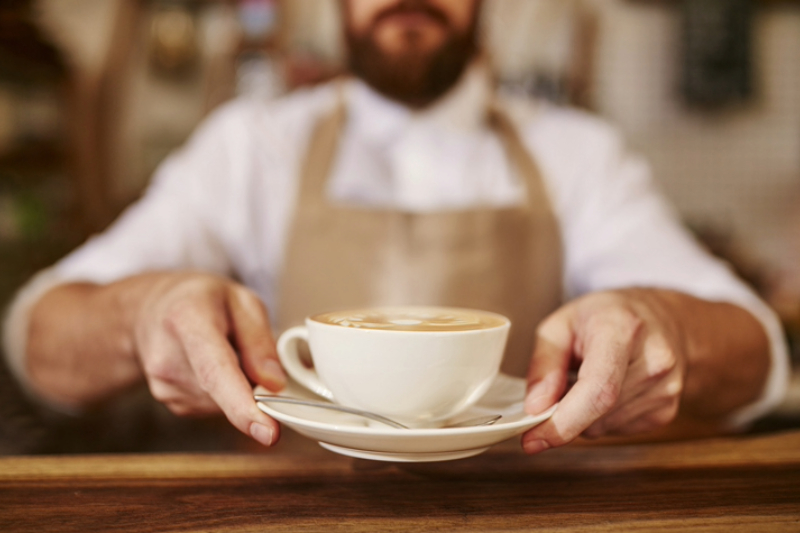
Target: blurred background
(95, 93)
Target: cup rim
(506, 322)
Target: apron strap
(321, 152)
(520, 157)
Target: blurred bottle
(259, 21)
(173, 43)
(258, 74)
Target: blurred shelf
(32, 160)
(25, 55)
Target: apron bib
(505, 260)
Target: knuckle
(543, 327)
(605, 397)
(159, 368)
(629, 321)
(674, 390)
(180, 409)
(200, 283)
(602, 299)
(620, 318)
(157, 372)
(162, 393)
(192, 299)
(207, 376)
(178, 314)
(250, 298)
(189, 314)
(661, 360)
(160, 396)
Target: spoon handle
(270, 398)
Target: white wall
(738, 170)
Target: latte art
(413, 319)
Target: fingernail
(274, 374)
(535, 446)
(262, 433)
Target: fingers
(181, 401)
(608, 339)
(655, 362)
(650, 421)
(547, 377)
(170, 377)
(652, 389)
(658, 405)
(253, 336)
(216, 368)
(638, 417)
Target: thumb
(547, 376)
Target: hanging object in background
(173, 39)
(543, 48)
(257, 70)
(259, 19)
(717, 42)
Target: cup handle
(290, 359)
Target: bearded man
(409, 182)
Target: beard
(412, 77)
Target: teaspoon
(484, 420)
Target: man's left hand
(630, 353)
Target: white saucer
(353, 436)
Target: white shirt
(223, 203)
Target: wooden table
(744, 483)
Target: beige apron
(506, 260)
(503, 260)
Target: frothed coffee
(413, 319)
(417, 365)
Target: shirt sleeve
(171, 227)
(619, 232)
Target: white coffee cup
(417, 365)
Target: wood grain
(732, 484)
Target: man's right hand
(195, 338)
